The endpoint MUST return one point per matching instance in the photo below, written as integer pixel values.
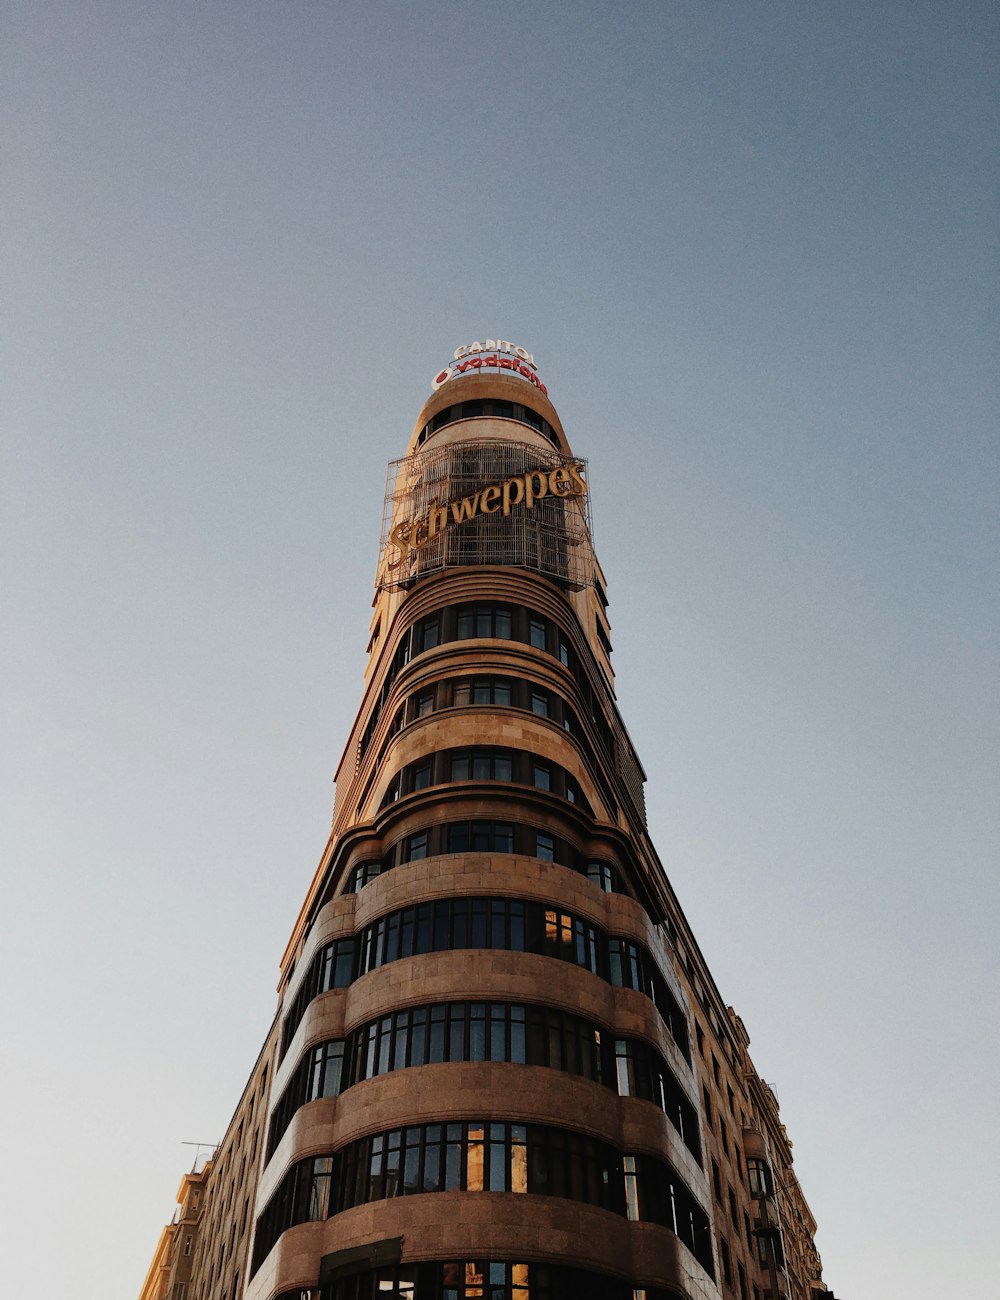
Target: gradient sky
(751, 247)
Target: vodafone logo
(494, 354)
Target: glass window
(536, 633)
(542, 777)
(422, 776)
(600, 873)
(458, 837)
(545, 847)
(759, 1176)
(425, 703)
(428, 633)
(415, 847)
(540, 703)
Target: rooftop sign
(494, 354)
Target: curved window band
(504, 924)
(522, 1034)
(485, 763)
(492, 408)
(484, 1156)
(494, 621)
(463, 1279)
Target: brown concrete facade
(489, 775)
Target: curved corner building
(500, 1069)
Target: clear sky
(751, 247)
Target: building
(170, 1273)
(500, 1068)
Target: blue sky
(752, 247)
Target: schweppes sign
(521, 492)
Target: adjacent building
(500, 1068)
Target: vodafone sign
(494, 354)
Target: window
(733, 1216)
(492, 621)
(545, 847)
(424, 704)
(414, 847)
(759, 1176)
(422, 775)
(427, 633)
(480, 837)
(716, 1181)
(188, 1241)
(727, 1267)
(601, 874)
(361, 875)
(541, 776)
(536, 633)
(631, 1189)
(540, 703)
(483, 690)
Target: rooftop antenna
(210, 1145)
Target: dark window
(488, 621)
(602, 874)
(361, 875)
(545, 847)
(536, 633)
(428, 633)
(414, 847)
(479, 837)
(727, 1267)
(424, 704)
